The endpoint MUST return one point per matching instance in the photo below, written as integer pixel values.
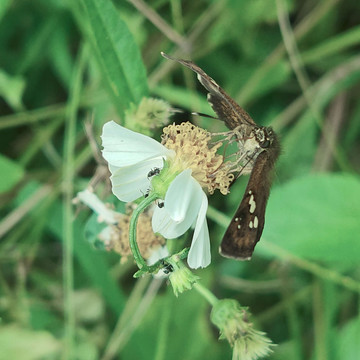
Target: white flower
(131, 156)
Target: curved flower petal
(182, 203)
(94, 203)
(131, 182)
(160, 253)
(199, 254)
(123, 147)
(183, 193)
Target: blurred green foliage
(292, 64)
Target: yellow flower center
(193, 150)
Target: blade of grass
(117, 53)
(250, 88)
(292, 317)
(333, 82)
(47, 112)
(68, 181)
(319, 322)
(34, 50)
(51, 209)
(303, 79)
(161, 24)
(124, 329)
(42, 136)
(10, 220)
(332, 46)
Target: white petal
(160, 253)
(94, 203)
(131, 182)
(183, 193)
(123, 147)
(182, 203)
(105, 235)
(162, 223)
(199, 254)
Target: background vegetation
(292, 64)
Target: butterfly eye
(265, 144)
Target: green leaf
(301, 136)
(348, 341)
(118, 54)
(92, 231)
(17, 343)
(277, 75)
(185, 98)
(4, 5)
(60, 56)
(316, 217)
(12, 89)
(271, 77)
(11, 173)
(187, 336)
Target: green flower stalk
(234, 325)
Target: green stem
(141, 263)
(69, 172)
(206, 293)
(164, 330)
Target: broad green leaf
(18, 343)
(298, 148)
(348, 345)
(118, 54)
(316, 217)
(11, 173)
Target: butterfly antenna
(204, 115)
(180, 111)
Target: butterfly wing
(224, 106)
(247, 225)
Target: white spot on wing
(239, 226)
(236, 219)
(251, 225)
(256, 222)
(252, 204)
